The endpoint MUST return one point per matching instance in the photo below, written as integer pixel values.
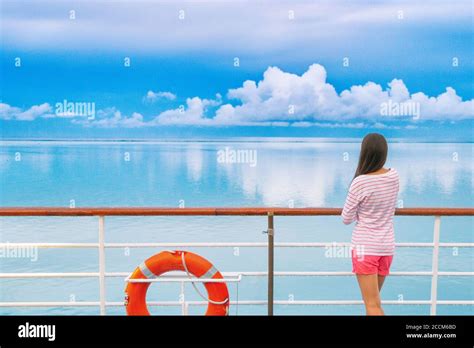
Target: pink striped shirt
(371, 202)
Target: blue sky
(305, 68)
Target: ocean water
(203, 173)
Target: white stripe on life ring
(146, 271)
(210, 273)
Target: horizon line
(233, 138)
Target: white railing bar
(50, 275)
(455, 302)
(303, 273)
(102, 265)
(51, 304)
(455, 273)
(243, 302)
(435, 266)
(225, 274)
(219, 245)
(456, 245)
(82, 304)
(49, 245)
(322, 273)
(262, 245)
(341, 302)
(184, 280)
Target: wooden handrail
(254, 211)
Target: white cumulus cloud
(191, 114)
(154, 96)
(113, 118)
(283, 99)
(8, 112)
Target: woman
(371, 203)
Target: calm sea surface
(227, 173)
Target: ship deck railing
(270, 245)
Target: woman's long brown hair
(373, 154)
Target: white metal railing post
(102, 265)
(271, 263)
(182, 300)
(435, 262)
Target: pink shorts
(371, 264)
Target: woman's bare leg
(381, 279)
(369, 287)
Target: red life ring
(166, 261)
